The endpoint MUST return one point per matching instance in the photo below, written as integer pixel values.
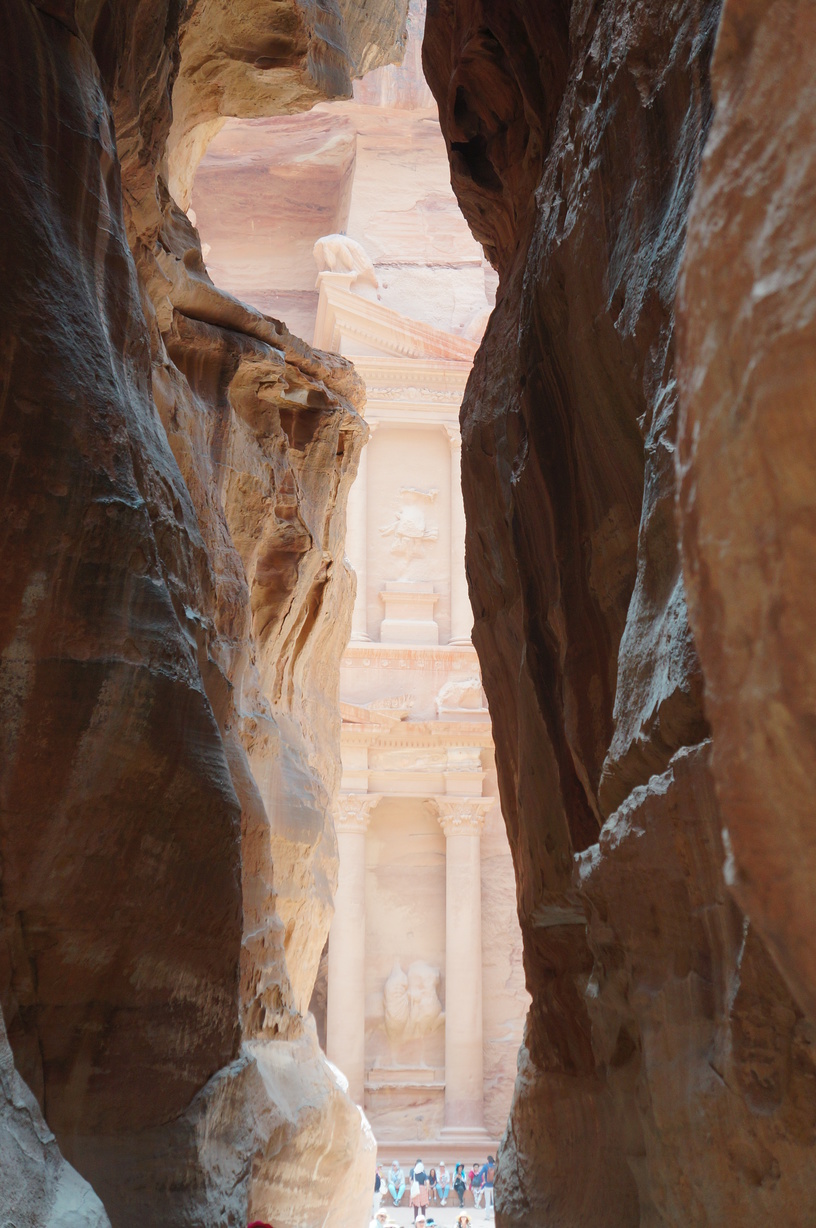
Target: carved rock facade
(668, 1073)
(174, 474)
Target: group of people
(434, 1186)
(381, 1220)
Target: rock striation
(667, 1075)
(175, 467)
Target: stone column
(461, 612)
(462, 820)
(345, 1025)
(357, 543)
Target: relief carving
(411, 529)
(398, 706)
(411, 1001)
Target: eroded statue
(411, 1000)
(340, 254)
(410, 529)
(465, 693)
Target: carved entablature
(353, 811)
(462, 816)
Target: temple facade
(424, 992)
(422, 1001)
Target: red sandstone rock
(747, 462)
(174, 473)
(652, 1088)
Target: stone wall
(174, 474)
(667, 1076)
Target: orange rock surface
(668, 1073)
(174, 472)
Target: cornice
(418, 735)
(371, 653)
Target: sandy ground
(444, 1217)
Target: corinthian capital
(462, 816)
(353, 811)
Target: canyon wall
(175, 467)
(667, 1076)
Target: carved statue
(412, 1006)
(410, 529)
(463, 693)
(340, 254)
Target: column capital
(353, 811)
(454, 435)
(462, 816)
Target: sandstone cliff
(174, 474)
(668, 1073)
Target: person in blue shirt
(396, 1183)
(484, 1179)
(443, 1183)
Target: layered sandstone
(175, 469)
(668, 1075)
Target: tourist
(396, 1183)
(459, 1183)
(419, 1190)
(476, 1181)
(443, 1183)
(489, 1173)
(379, 1190)
(464, 1219)
(381, 1220)
(482, 1181)
(432, 1186)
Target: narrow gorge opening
(342, 222)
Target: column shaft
(357, 545)
(345, 1009)
(461, 612)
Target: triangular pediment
(345, 318)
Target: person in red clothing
(258, 1223)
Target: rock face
(748, 317)
(39, 1190)
(174, 474)
(668, 1075)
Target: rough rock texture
(667, 1076)
(271, 59)
(748, 316)
(174, 473)
(37, 1188)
